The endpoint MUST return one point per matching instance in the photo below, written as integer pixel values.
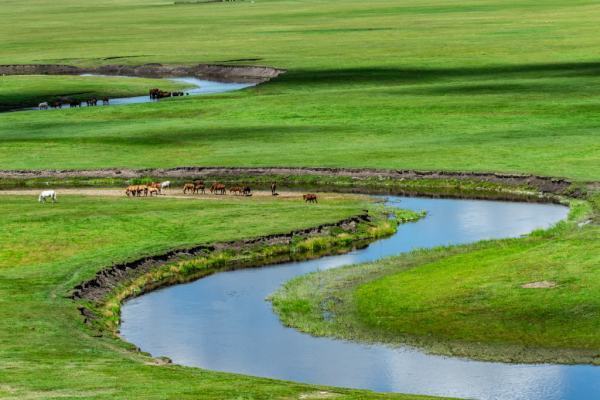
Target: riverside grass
(467, 300)
(47, 351)
(481, 85)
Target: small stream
(222, 322)
(195, 87)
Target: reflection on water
(223, 322)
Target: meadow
(486, 86)
(47, 351)
(476, 85)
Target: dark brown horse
(310, 198)
(247, 191)
(199, 187)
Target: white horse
(165, 184)
(47, 194)
(43, 106)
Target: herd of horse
(59, 103)
(156, 94)
(197, 186)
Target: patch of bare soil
(541, 183)
(220, 72)
(539, 285)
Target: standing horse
(43, 106)
(47, 194)
(189, 187)
(217, 188)
(105, 101)
(310, 198)
(165, 185)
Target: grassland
(467, 300)
(45, 349)
(487, 85)
(29, 91)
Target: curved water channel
(222, 322)
(196, 87)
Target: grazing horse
(136, 190)
(310, 198)
(274, 188)
(47, 194)
(74, 103)
(217, 188)
(235, 189)
(156, 186)
(43, 106)
(153, 190)
(56, 104)
(199, 187)
(189, 187)
(165, 185)
(247, 191)
(105, 101)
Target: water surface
(222, 322)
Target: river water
(222, 322)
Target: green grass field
(45, 349)
(477, 85)
(466, 300)
(487, 85)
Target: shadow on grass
(416, 75)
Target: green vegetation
(45, 251)
(467, 300)
(28, 91)
(483, 85)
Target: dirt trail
(175, 193)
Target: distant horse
(217, 188)
(247, 191)
(274, 188)
(47, 194)
(136, 190)
(56, 104)
(165, 185)
(235, 189)
(43, 106)
(310, 198)
(156, 186)
(153, 190)
(189, 187)
(199, 187)
(105, 101)
(74, 103)
(92, 102)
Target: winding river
(196, 87)
(222, 322)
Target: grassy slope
(23, 91)
(480, 85)
(45, 250)
(467, 300)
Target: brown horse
(310, 198)
(246, 191)
(136, 190)
(235, 189)
(153, 190)
(217, 188)
(105, 101)
(157, 186)
(188, 187)
(199, 187)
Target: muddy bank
(105, 281)
(224, 73)
(540, 183)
